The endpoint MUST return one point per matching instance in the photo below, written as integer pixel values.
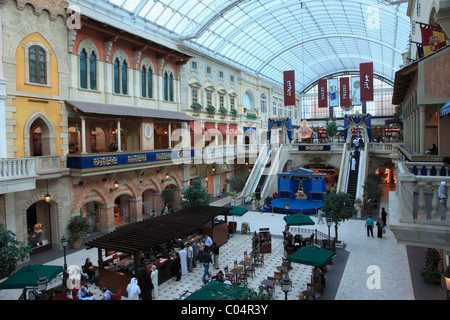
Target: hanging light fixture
(47, 197)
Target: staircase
(353, 178)
(262, 180)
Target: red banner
(366, 81)
(323, 93)
(433, 38)
(289, 88)
(344, 84)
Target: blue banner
(356, 92)
(334, 96)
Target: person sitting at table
(106, 294)
(84, 294)
(88, 268)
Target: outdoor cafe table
(236, 272)
(267, 283)
(245, 264)
(281, 268)
(254, 255)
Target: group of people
(380, 224)
(189, 254)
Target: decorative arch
(49, 133)
(56, 207)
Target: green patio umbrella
(212, 289)
(237, 211)
(312, 256)
(29, 275)
(298, 219)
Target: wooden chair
(242, 277)
(247, 257)
(260, 260)
(271, 288)
(227, 272)
(287, 265)
(278, 276)
(236, 265)
(251, 269)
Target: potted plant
(76, 227)
(431, 276)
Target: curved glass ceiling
(314, 38)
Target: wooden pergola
(143, 236)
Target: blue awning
(445, 109)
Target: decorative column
(135, 209)
(421, 214)
(119, 137)
(435, 214)
(422, 129)
(83, 135)
(417, 133)
(106, 215)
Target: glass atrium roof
(314, 38)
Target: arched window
(263, 103)
(144, 82)
(120, 76)
(171, 87)
(83, 69)
(38, 64)
(116, 76)
(93, 71)
(166, 89)
(124, 77)
(149, 83)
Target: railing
(45, 164)
(418, 192)
(17, 168)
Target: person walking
(369, 226)
(154, 277)
(183, 260)
(380, 227)
(384, 216)
(205, 259)
(195, 253)
(133, 290)
(176, 266)
(190, 256)
(215, 251)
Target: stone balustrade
(418, 190)
(17, 168)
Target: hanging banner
(344, 90)
(433, 38)
(334, 97)
(356, 101)
(289, 88)
(366, 81)
(322, 91)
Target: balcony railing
(418, 192)
(17, 168)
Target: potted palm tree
(77, 226)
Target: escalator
(352, 184)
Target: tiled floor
(376, 269)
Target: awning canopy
(212, 290)
(197, 128)
(125, 111)
(236, 131)
(223, 128)
(312, 256)
(445, 109)
(211, 129)
(298, 219)
(29, 275)
(145, 235)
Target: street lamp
(447, 281)
(286, 285)
(287, 206)
(64, 242)
(42, 283)
(329, 223)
